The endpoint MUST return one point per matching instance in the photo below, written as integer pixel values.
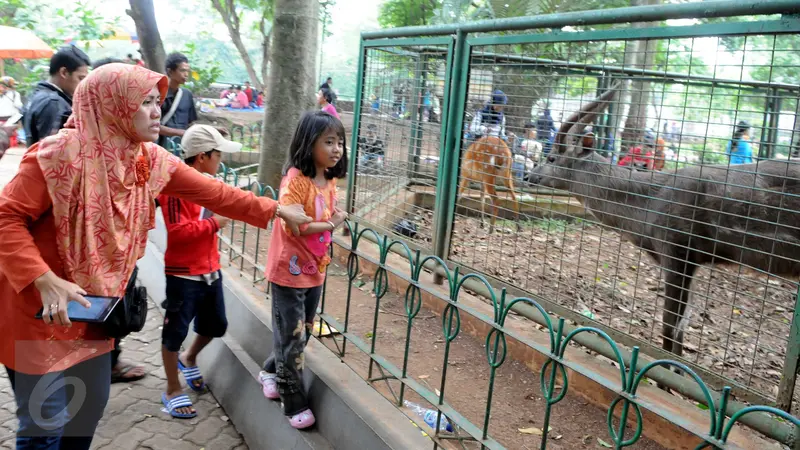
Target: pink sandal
(302, 420)
(268, 385)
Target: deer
(488, 162)
(747, 214)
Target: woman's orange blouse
(28, 250)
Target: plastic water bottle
(429, 416)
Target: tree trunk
(231, 20)
(291, 82)
(144, 17)
(266, 37)
(636, 120)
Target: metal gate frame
(461, 45)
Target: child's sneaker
(269, 385)
(302, 420)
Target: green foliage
(205, 70)
(325, 9)
(404, 13)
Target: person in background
(226, 92)
(325, 101)
(10, 100)
(490, 121)
(194, 280)
(371, 148)
(328, 84)
(50, 105)
(250, 93)
(140, 59)
(10, 106)
(739, 148)
(545, 129)
(260, 99)
(298, 257)
(240, 100)
(177, 112)
(75, 219)
(121, 371)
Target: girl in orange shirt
(298, 256)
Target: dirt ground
(738, 326)
(517, 402)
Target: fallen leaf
(586, 439)
(532, 430)
(423, 377)
(148, 415)
(604, 443)
(555, 438)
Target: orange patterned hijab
(102, 178)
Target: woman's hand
(294, 216)
(56, 293)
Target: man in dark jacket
(183, 114)
(50, 105)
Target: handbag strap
(175, 103)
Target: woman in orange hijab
(75, 220)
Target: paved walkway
(133, 418)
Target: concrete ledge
(350, 413)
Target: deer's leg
(483, 204)
(492, 191)
(676, 303)
(510, 186)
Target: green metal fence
(691, 86)
(418, 90)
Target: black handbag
(130, 314)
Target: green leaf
(604, 443)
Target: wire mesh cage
(674, 214)
(399, 138)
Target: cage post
(790, 364)
(415, 143)
(351, 178)
(447, 173)
(603, 127)
(774, 117)
(769, 112)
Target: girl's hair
(301, 153)
(326, 93)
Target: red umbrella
(21, 44)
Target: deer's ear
(587, 143)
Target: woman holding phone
(75, 220)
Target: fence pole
(415, 143)
(790, 364)
(351, 175)
(448, 161)
(774, 117)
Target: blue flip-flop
(190, 374)
(181, 401)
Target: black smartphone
(98, 312)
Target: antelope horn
(595, 109)
(579, 119)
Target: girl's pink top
(330, 109)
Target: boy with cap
(194, 281)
